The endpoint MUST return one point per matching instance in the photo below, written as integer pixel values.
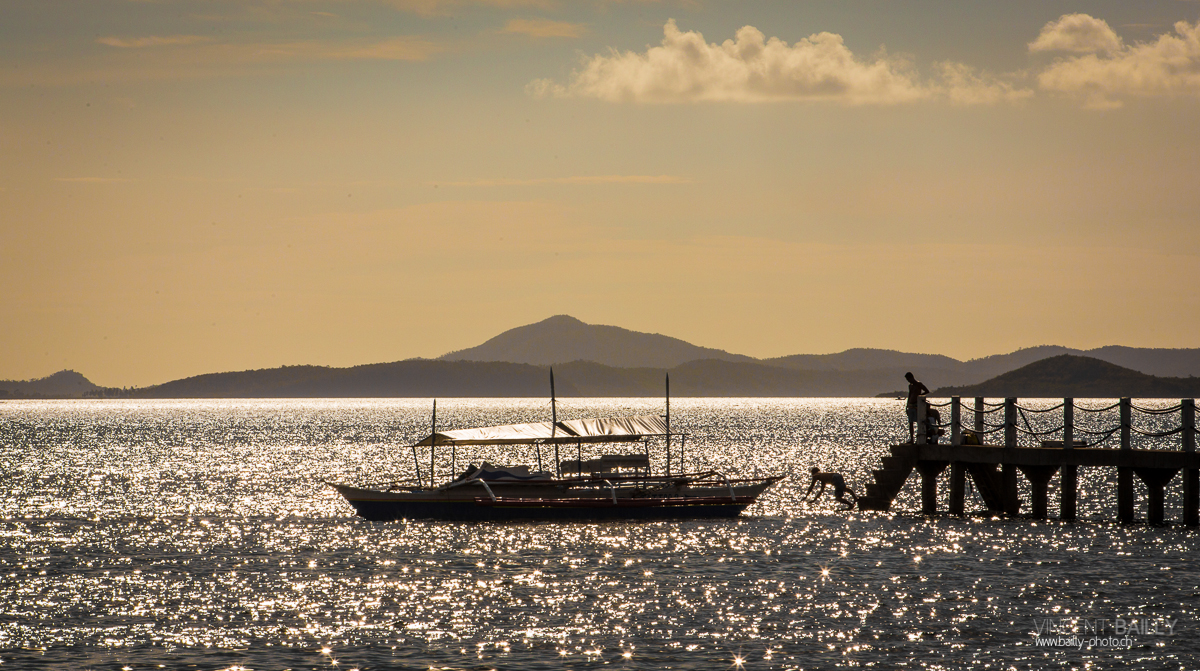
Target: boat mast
(417, 463)
(668, 425)
(554, 424)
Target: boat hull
(549, 503)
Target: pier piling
(958, 482)
(1124, 473)
(1156, 480)
(1068, 482)
(1039, 483)
(930, 470)
(1191, 476)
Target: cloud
(1167, 66)
(963, 85)
(752, 68)
(577, 179)
(543, 28)
(1079, 33)
(151, 41)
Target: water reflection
(199, 533)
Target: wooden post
(1124, 473)
(979, 417)
(417, 463)
(1068, 487)
(432, 443)
(956, 420)
(1191, 476)
(1012, 505)
(958, 481)
(922, 414)
(1039, 485)
(1156, 480)
(668, 425)
(554, 425)
(930, 470)
(1010, 422)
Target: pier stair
(890, 479)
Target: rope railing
(983, 412)
(1106, 434)
(1097, 433)
(1152, 434)
(1041, 433)
(993, 405)
(1157, 411)
(998, 427)
(1083, 409)
(1096, 437)
(1060, 405)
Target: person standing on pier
(916, 394)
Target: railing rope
(1105, 409)
(1158, 411)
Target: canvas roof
(614, 429)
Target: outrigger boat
(614, 486)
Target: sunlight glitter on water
(198, 532)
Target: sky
(193, 186)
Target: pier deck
(994, 468)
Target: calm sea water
(199, 535)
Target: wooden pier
(994, 469)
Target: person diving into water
(839, 488)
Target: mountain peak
(563, 338)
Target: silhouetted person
(839, 488)
(916, 391)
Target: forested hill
(1069, 376)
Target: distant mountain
(423, 378)
(596, 360)
(63, 384)
(563, 338)
(864, 359)
(413, 378)
(1072, 376)
(990, 366)
(1160, 362)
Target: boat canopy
(617, 429)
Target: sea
(200, 534)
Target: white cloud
(752, 68)
(964, 85)
(1079, 33)
(1167, 66)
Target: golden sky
(196, 186)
